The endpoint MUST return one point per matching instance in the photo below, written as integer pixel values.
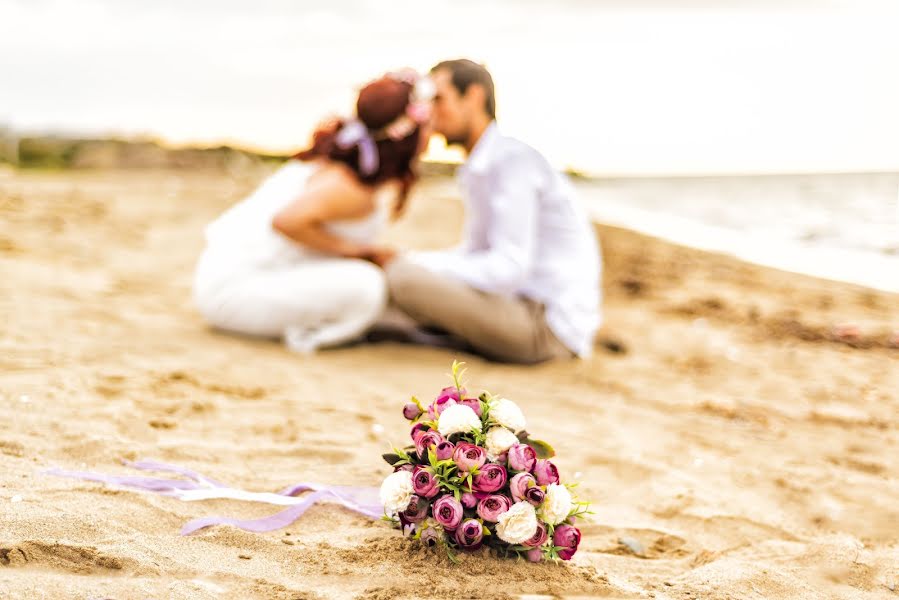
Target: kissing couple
(299, 258)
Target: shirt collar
(480, 156)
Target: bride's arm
(333, 198)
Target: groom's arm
(511, 232)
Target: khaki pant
(502, 328)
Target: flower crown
(418, 111)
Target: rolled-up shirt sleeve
(511, 199)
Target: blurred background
(765, 129)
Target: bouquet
(474, 477)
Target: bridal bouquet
(473, 476)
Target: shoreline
(880, 273)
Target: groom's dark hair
(466, 72)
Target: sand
(734, 449)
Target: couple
(298, 260)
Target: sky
(609, 88)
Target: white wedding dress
(255, 281)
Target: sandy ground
(738, 449)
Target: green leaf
(401, 453)
(542, 449)
(458, 373)
(391, 459)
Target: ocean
(835, 226)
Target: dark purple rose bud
(546, 472)
(425, 441)
(408, 528)
(569, 538)
(445, 450)
(534, 555)
(534, 495)
(491, 507)
(416, 511)
(448, 512)
(448, 397)
(522, 458)
(470, 535)
(474, 404)
(520, 484)
(405, 467)
(423, 482)
(539, 537)
(411, 411)
(430, 536)
(490, 478)
(469, 500)
(468, 457)
(418, 430)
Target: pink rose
(424, 483)
(468, 457)
(419, 112)
(411, 411)
(546, 472)
(430, 536)
(444, 450)
(416, 511)
(569, 537)
(535, 495)
(469, 500)
(470, 535)
(448, 397)
(448, 512)
(491, 507)
(519, 485)
(534, 555)
(418, 430)
(425, 441)
(522, 458)
(490, 478)
(539, 538)
(474, 404)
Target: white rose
(556, 504)
(396, 492)
(518, 524)
(506, 413)
(499, 440)
(457, 419)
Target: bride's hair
(379, 104)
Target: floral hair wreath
(418, 111)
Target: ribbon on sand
(362, 500)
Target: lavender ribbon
(362, 500)
(355, 133)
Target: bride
(296, 259)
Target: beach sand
(733, 449)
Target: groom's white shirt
(526, 234)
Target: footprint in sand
(64, 557)
(642, 543)
(166, 381)
(10, 448)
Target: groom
(523, 286)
